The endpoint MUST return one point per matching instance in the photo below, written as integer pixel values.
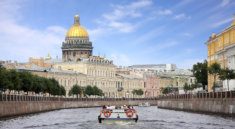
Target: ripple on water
(149, 118)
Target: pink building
(150, 82)
(150, 85)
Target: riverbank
(28, 105)
(222, 103)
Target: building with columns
(221, 49)
(79, 66)
(76, 44)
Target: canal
(149, 118)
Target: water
(149, 118)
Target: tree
(26, 81)
(138, 92)
(214, 70)
(75, 90)
(89, 90)
(200, 72)
(37, 84)
(226, 74)
(165, 90)
(186, 87)
(63, 92)
(15, 79)
(97, 91)
(3, 79)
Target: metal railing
(6, 97)
(208, 95)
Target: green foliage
(200, 72)
(4, 80)
(26, 81)
(214, 70)
(89, 90)
(75, 90)
(13, 80)
(190, 87)
(97, 91)
(138, 92)
(186, 87)
(165, 90)
(226, 74)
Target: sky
(128, 32)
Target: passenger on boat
(125, 107)
(132, 107)
(108, 107)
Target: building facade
(221, 49)
(79, 66)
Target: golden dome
(48, 57)
(77, 30)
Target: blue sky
(127, 32)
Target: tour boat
(144, 104)
(118, 115)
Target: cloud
(181, 16)
(164, 12)
(56, 29)
(120, 19)
(144, 38)
(95, 33)
(120, 59)
(160, 47)
(189, 51)
(188, 63)
(18, 42)
(222, 22)
(187, 34)
(224, 3)
(182, 3)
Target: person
(132, 107)
(104, 107)
(108, 107)
(129, 107)
(125, 107)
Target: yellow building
(221, 49)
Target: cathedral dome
(76, 30)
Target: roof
(129, 76)
(34, 67)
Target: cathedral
(77, 44)
(79, 66)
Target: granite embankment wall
(20, 105)
(214, 102)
